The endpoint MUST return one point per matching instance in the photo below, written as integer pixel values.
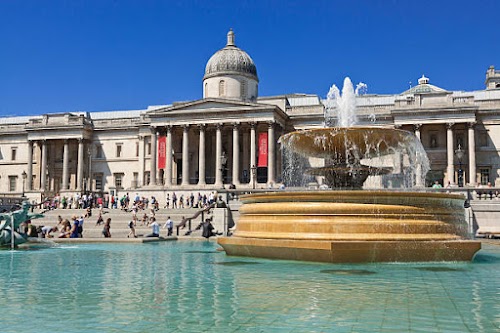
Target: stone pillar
(271, 155)
(29, 178)
(246, 153)
(418, 169)
(43, 171)
(236, 154)
(168, 164)
(185, 155)
(472, 155)
(201, 157)
(218, 156)
(79, 173)
(253, 152)
(65, 171)
(450, 169)
(152, 167)
(142, 156)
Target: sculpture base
(351, 251)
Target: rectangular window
(98, 181)
(485, 176)
(119, 149)
(148, 146)
(13, 153)
(118, 180)
(98, 151)
(137, 149)
(135, 181)
(147, 178)
(433, 140)
(12, 183)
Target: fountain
(348, 224)
(10, 223)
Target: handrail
(195, 215)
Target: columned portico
(201, 157)
(236, 154)
(154, 139)
(253, 153)
(65, 170)
(185, 155)
(472, 154)
(271, 155)
(29, 179)
(79, 176)
(418, 171)
(43, 169)
(168, 169)
(218, 155)
(450, 169)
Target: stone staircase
(120, 220)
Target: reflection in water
(186, 286)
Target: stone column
(418, 169)
(271, 155)
(185, 155)
(218, 155)
(43, 172)
(201, 157)
(472, 155)
(253, 152)
(236, 154)
(79, 173)
(168, 164)
(29, 178)
(142, 155)
(450, 170)
(152, 167)
(65, 170)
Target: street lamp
(24, 175)
(253, 169)
(223, 162)
(460, 155)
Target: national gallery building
(230, 136)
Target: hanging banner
(262, 161)
(162, 151)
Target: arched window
(221, 88)
(206, 89)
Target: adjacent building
(230, 136)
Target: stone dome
(230, 60)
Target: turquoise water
(188, 286)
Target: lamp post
(253, 169)
(223, 161)
(460, 155)
(24, 175)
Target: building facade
(230, 136)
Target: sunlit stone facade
(230, 136)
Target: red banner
(262, 161)
(162, 151)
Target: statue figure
(18, 217)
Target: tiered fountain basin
(352, 226)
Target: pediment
(204, 105)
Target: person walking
(106, 229)
(170, 226)
(131, 225)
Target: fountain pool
(188, 286)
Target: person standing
(170, 226)
(106, 229)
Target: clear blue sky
(86, 55)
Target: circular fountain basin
(339, 142)
(352, 226)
